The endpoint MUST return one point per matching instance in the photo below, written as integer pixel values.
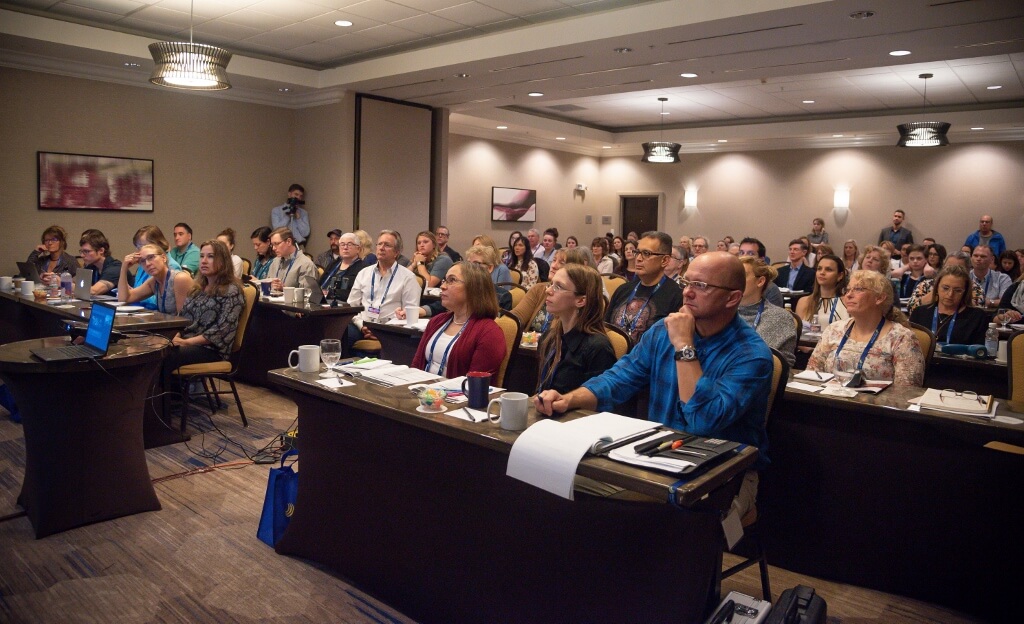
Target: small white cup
(412, 314)
(1001, 353)
(289, 294)
(308, 359)
(27, 287)
(513, 407)
(6, 282)
(299, 298)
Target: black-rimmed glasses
(701, 286)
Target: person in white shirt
(290, 265)
(382, 288)
(533, 236)
(992, 283)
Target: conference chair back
(926, 339)
(509, 325)
(621, 342)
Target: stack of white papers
(420, 324)
(547, 454)
(932, 399)
(387, 374)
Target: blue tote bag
(279, 504)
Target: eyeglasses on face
(85, 251)
(275, 245)
(347, 244)
(558, 288)
(647, 253)
(946, 289)
(858, 289)
(451, 280)
(701, 286)
(150, 257)
(51, 240)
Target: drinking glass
(1003, 320)
(330, 353)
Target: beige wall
(770, 194)
(217, 163)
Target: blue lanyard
(444, 356)
(547, 323)
(988, 277)
(373, 286)
(760, 311)
(289, 269)
(623, 321)
(327, 279)
(935, 323)
(871, 343)
(163, 292)
(262, 268)
(832, 312)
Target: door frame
(661, 206)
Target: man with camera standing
(292, 215)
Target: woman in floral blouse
(212, 308)
(521, 259)
(868, 340)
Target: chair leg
(209, 390)
(762, 563)
(183, 386)
(238, 402)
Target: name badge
(373, 311)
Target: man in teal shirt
(185, 252)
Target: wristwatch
(686, 353)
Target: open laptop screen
(101, 322)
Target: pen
(685, 452)
(664, 446)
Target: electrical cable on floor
(13, 516)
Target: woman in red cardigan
(465, 338)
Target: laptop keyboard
(74, 351)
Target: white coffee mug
(289, 294)
(412, 314)
(512, 411)
(6, 282)
(309, 359)
(27, 287)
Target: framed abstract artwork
(513, 204)
(83, 182)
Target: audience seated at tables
(912, 272)
(381, 288)
(826, 298)
(508, 250)
(599, 248)
(442, 233)
(923, 293)
(548, 244)
(991, 282)
(520, 258)
(227, 236)
(708, 371)
(340, 275)
(818, 234)
(796, 276)
(264, 253)
(290, 265)
(145, 235)
(331, 254)
(773, 324)
(51, 257)
(576, 347)
(212, 308)
(428, 262)
(952, 319)
(167, 286)
(637, 306)
(480, 255)
(464, 338)
(869, 341)
(184, 252)
(616, 252)
(95, 250)
(895, 259)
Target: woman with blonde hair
(875, 258)
(500, 274)
(869, 342)
(428, 262)
(366, 247)
(850, 259)
(465, 337)
(576, 348)
(168, 286)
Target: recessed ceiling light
(723, 140)
(502, 127)
(559, 138)
(977, 128)
(808, 101)
(535, 94)
(343, 23)
(836, 136)
(688, 75)
(994, 87)
(665, 113)
(862, 14)
(899, 53)
(623, 50)
(606, 147)
(132, 65)
(284, 90)
(462, 75)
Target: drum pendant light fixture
(192, 66)
(923, 133)
(661, 151)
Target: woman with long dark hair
(521, 259)
(264, 252)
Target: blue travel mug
(476, 386)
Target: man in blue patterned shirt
(709, 373)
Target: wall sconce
(690, 198)
(841, 199)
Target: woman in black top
(575, 348)
(951, 318)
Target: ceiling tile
(523, 7)
(427, 24)
(164, 17)
(225, 31)
(472, 14)
(206, 8)
(293, 10)
(327, 20)
(257, 20)
(119, 7)
(381, 10)
(508, 24)
(102, 17)
(550, 16)
(428, 5)
(285, 38)
(389, 35)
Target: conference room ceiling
(769, 73)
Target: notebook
(83, 284)
(97, 338)
(29, 271)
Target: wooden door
(639, 214)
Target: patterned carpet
(196, 560)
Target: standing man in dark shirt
(635, 307)
(442, 235)
(897, 234)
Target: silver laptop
(83, 285)
(29, 272)
(97, 338)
